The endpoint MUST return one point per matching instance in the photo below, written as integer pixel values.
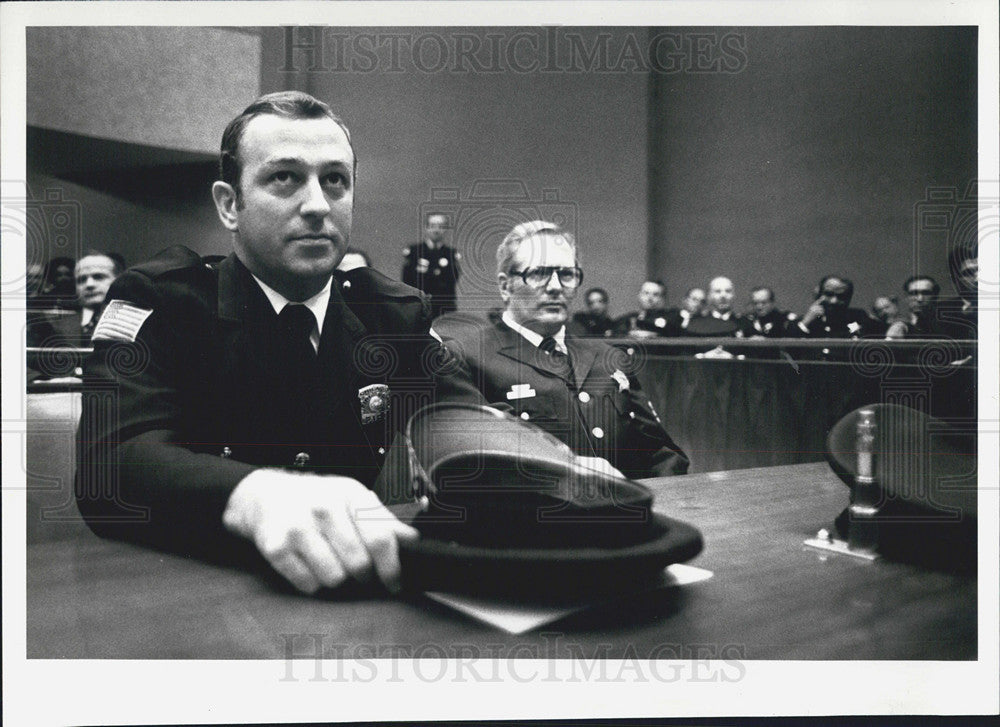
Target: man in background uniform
(433, 267)
(720, 320)
(766, 321)
(595, 321)
(578, 389)
(244, 405)
(830, 315)
(652, 318)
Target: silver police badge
(374, 402)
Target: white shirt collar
(533, 338)
(317, 304)
(86, 314)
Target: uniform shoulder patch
(120, 321)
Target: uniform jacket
(853, 323)
(660, 321)
(773, 325)
(588, 324)
(204, 395)
(599, 411)
(709, 325)
(435, 272)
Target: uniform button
(346, 285)
(631, 415)
(826, 350)
(525, 416)
(301, 459)
(226, 453)
(583, 396)
(381, 450)
(597, 432)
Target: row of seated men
(927, 315)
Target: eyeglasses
(539, 277)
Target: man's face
(650, 296)
(62, 280)
(94, 275)
(436, 225)
(293, 219)
(885, 309)
(920, 296)
(968, 278)
(694, 301)
(596, 304)
(720, 294)
(543, 309)
(835, 295)
(762, 303)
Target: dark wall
(811, 159)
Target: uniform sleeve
(652, 452)
(136, 477)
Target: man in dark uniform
(766, 321)
(925, 318)
(830, 315)
(578, 389)
(249, 401)
(720, 320)
(652, 319)
(433, 267)
(94, 273)
(595, 321)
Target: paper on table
(517, 618)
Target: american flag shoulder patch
(120, 321)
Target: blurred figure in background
(433, 267)
(93, 275)
(595, 321)
(885, 309)
(720, 319)
(652, 317)
(830, 315)
(765, 320)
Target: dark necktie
(296, 325)
(560, 362)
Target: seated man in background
(652, 317)
(527, 363)
(885, 309)
(239, 408)
(595, 321)
(434, 267)
(693, 306)
(925, 319)
(94, 274)
(766, 321)
(720, 319)
(830, 315)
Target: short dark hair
(116, 259)
(935, 289)
(602, 291)
(846, 281)
(287, 104)
(759, 288)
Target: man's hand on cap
(317, 531)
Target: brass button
(381, 450)
(525, 416)
(597, 432)
(583, 396)
(302, 459)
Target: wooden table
(770, 598)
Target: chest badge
(520, 391)
(374, 402)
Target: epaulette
(169, 260)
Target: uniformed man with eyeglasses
(581, 390)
